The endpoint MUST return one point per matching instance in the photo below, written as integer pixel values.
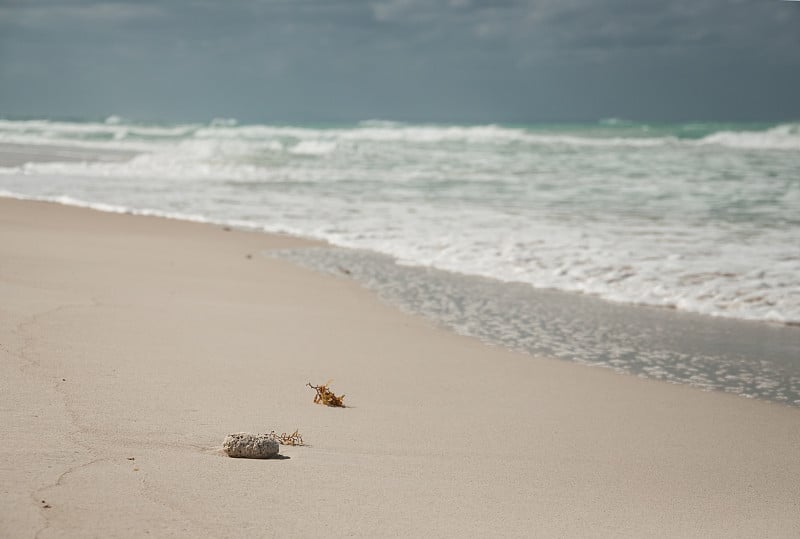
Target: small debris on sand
(326, 396)
(251, 446)
(294, 438)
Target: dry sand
(130, 337)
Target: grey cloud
(43, 15)
(468, 60)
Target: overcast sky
(414, 60)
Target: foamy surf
(697, 217)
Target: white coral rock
(250, 446)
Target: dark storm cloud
(468, 60)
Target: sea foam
(697, 217)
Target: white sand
(130, 337)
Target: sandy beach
(132, 345)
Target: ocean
(697, 224)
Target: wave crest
(781, 137)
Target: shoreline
(129, 336)
(742, 357)
(754, 359)
(250, 227)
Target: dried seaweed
(294, 438)
(326, 396)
